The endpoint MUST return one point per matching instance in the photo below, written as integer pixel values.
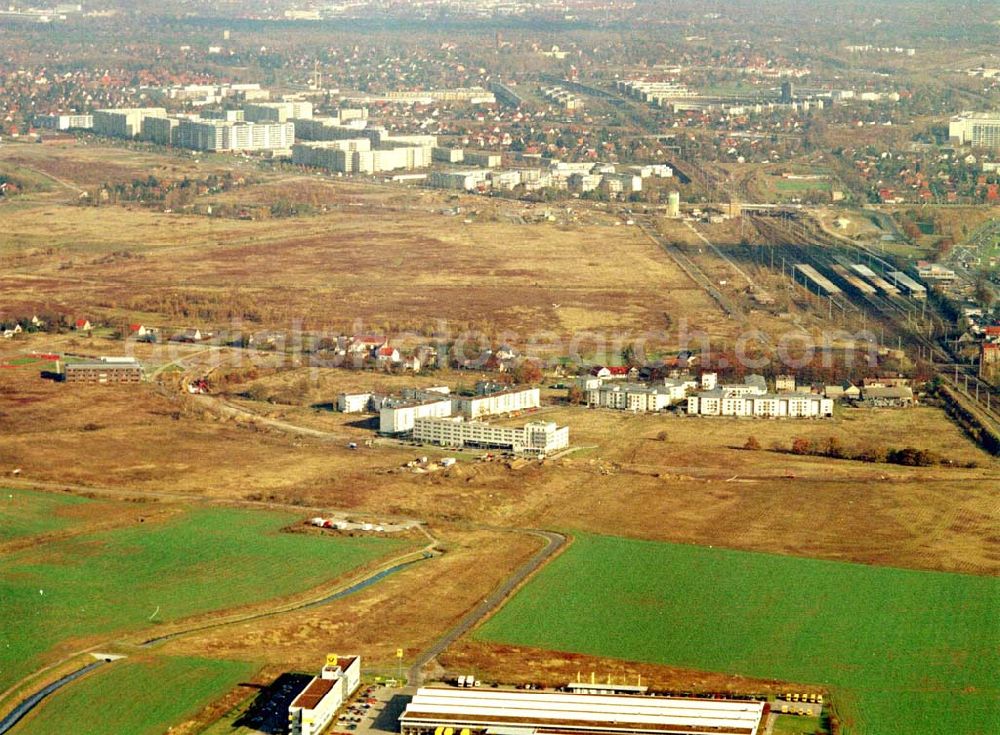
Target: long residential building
(228, 135)
(159, 129)
(124, 122)
(104, 370)
(399, 417)
(639, 397)
(483, 711)
(335, 155)
(723, 402)
(314, 707)
(277, 112)
(65, 122)
(461, 180)
(535, 439)
(497, 403)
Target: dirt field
(397, 263)
(524, 665)
(394, 263)
(696, 485)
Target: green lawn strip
(137, 697)
(895, 646)
(120, 580)
(29, 512)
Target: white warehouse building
(313, 709)
(536, 439)
(507, 712)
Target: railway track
(690, 268)
(801, 241)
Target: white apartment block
(399, 417)
(483, 158)
(333, 128)
(498, 403)
(505, 180)
(753, 385)
(418, 141)
(353, 402)
(638, 397)
(979, 129)
(472, 95)
(537, 439)
(622, 183)
(279, 112)
(124, 122)
(159, 129)
(65, 122)
(461, 180)
(720, 402)
(654, 92)
(230, 115)
(226, 135)
(584, 182)
(330, 154)
(388, 159)
(211, 94)
(448, 155)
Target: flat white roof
(528, 711)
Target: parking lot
(376, 709)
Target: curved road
(554, 542)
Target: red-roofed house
(387, 356)
(82, 325)
(369, 343)
(613, 372)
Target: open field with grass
(208, 559)
(141, 696)
(899, 650)
(795, 725)
(26, 512)
(394, 262)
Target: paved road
(554, 542)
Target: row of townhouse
(723, 402)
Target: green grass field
(802, 185)
(105, 702)
(901, 651)
(202, 560)
(795, 725)
(28, 512)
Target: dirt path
(554, 542)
